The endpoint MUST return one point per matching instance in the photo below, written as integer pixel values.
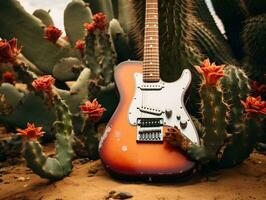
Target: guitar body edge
(121, 154)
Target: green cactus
(71, 67)
(242, 143)
(78, 92)
(253, 34)
(120, 41)
(235, 85)
(100, 57)
(44, 16)
(11, 93)
(75, 15)
(104, 6)
(36, 48)
(233, 13)
(214, 118)
(46, 167)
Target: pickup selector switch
(168, 113)
(183, 124)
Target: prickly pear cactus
(47, 167)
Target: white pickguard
(164, 97)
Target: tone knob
(183, 124)
(168, 113)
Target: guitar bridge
(150, 130)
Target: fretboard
(151, 68)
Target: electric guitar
(133, 143)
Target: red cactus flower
(44, 83)
(92, 110)
(90, 27)
(100, 21)
(254, 105)
(80, 45)
(8, 50)
(8, 77)
(210, 72)
(258, 89)
(31, 132)
(52, 33)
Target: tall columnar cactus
(229, 134)
(253, 34)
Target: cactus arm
(44, 16)
(77, 93)
(120, 41)
(235, 85)
(108, 58)
(75, 15)
(123, 14)
(12, 94)
(68, 69)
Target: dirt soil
(89, 181)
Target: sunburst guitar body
(133, 143)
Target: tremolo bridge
(150, 130)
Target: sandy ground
(89, 181)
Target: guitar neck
(151, 67)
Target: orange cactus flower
(31, 132)
(210, 72)
(80, 45)
(52, 33)
(90, 27)
(8, 50)
(93, 110)
(8, 77)
(44, 83)
(100, 21)
(254, 105)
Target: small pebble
(119, 195)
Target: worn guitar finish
(133, 143)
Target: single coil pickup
(151, 87)
(150, 136)
(150, 122)
(150, 111)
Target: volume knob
(183, 124)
